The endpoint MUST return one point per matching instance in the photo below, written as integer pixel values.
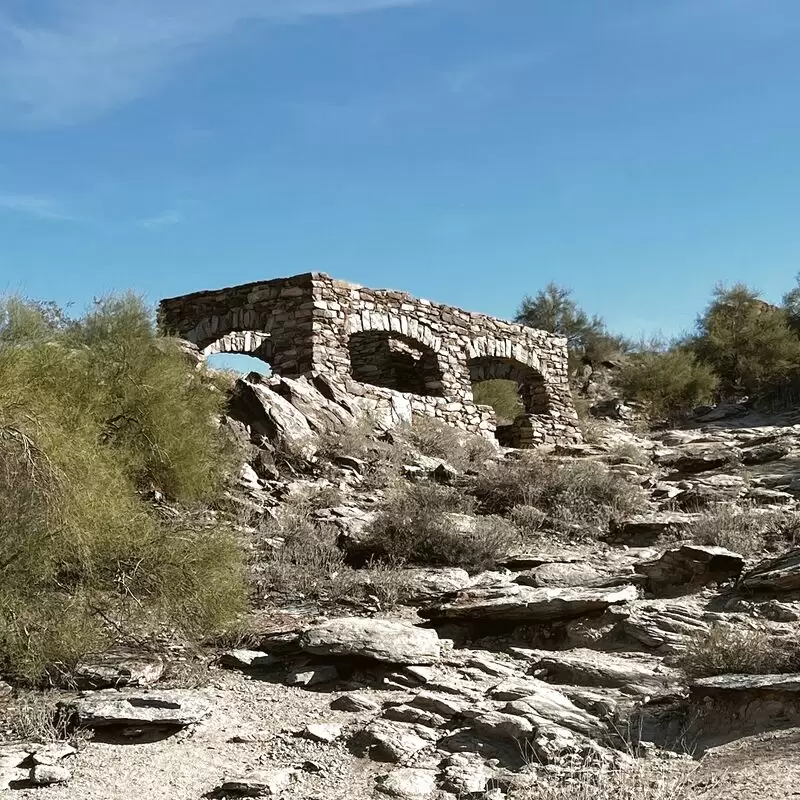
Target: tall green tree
(747, 342)
(553, 309)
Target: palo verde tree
(553, 309)
(747, 342)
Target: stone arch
(247, 343)
(395, 361)
(531, 385)
(213, 328)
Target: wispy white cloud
(166, 219)
(91, 56)
(34, 205)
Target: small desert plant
(428, 524)
(642, 780)
(568, 492)
(743, 529)
(435, 438)
(302, 558)
(628, 452)
(34, 716)
(726, 650)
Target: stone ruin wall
(425, 356)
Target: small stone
(354, 703)
(247, 659)
(326, 733)
(408, 783)
(312, 677)
(47, 774)
(258, 784)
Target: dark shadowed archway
(395, 361)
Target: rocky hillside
(434, 617)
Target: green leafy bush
(667, 382)
(92, 412)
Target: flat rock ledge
(527, 604)
(381, 640)
(169, 709)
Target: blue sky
(468, 151)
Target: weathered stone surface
(258, 784)
(271, 417)
(408, 783)
(174, 708)
(525, 603)
(588, 668)
(765, 453)
(780, 574)
(664, 628)
(48, 774)
(560, 575)
(378, 639)
(355, 703)
(394, 742)
(645, 530)
(690, 567)
(692, 458)
(118, 669)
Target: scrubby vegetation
(666, 380)
(564, 493)
(424, 523)
(726, 650)
(741, 347)
(432, 437)
(96, 414)
(744, 529)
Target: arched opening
(394, 361)
(241, 352)
(509, 386)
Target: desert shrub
(33, 716)
(425, 523)
(667, 381)
(568, 492)
(92, 411)
(593, 780)
(725, 650)
(744, 529)
(628, 452)
(502, 395)
(435, 438)
(747, 342)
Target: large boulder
(645, 530)
(780, 574)
(697, 457)
(176, 708)
(517, 603)
(377, 639)
(588, 668)
(271, 417)
(690, 567)
(664, 628)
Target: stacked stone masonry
(388, 346)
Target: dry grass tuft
(582, 493)
(726, 650)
